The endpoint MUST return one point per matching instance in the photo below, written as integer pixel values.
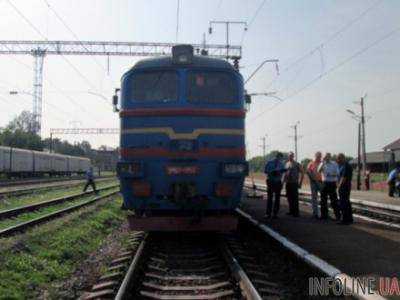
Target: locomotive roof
(198, 61)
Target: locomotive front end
(182, 162)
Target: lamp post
(358, 119)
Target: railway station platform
(362, 249)
(371, 196)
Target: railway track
(386, 214)
(16, 182)
(23, 226)
(196, 266)
(43, 187)
(10, 213)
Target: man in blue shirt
(90, 180)
(274, 169)
(344, 187)
(393, 179)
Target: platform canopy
(393, 146)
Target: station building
(382, 161)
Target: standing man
(392, 179)
(330, 173)
(367, 180)
(274, 169)
(293, 178)
(315, 182)
(90, 180)
(346, 176)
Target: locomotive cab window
(211, 87)
(154, 86)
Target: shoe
(323, 218)
(266, 216)
(315, 217)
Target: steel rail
(25, 225)
(312, 260)
(27, 191)
(9, 182)
(28, 208)
(123, 289)
(248, 289)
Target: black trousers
(274, 190)
(91, 183)
(292, 194)
(329, 190)
(392, 188)
(345, 204)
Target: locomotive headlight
(182, 54)
(235, 169)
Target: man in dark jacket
(274, 169)
(345, 178)
(393, 180)
(90, 180)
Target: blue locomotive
(182, 144)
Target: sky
(331, 53)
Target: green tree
(19, 133)
(25, 122)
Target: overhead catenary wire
(249, 23)
(18, 11)
(72, 32)
(335, 112)
(332, 69)
(28, 67)
(329, 39)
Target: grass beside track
(49, 254)
(39, 196)
(46, 210)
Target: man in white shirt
(330, 175)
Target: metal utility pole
(296, 137)
(363, 144)
(38, 55)
(361, 147)
(359, 158)
(264, 145)
(227, 24)
(361, 118)
(40, 49)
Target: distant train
(16, 162)
(183, 158)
